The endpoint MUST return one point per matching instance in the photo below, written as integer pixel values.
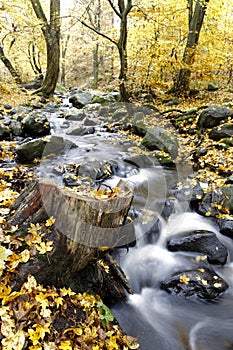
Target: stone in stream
(32, 149)
(226, 226)
(35, 124)
(80, 130)
(161, 139)
(219, 199)
(201, 282)
(213, 115)
(200, 241)
(141, 160)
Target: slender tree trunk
(182, 82)
(96, 66)
(9, 66)
(122, 48)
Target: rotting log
(83, 224)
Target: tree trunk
(82, 226)
(182, 82)
(51, 33)
(122, 48)
(9, 66)
(96, 66)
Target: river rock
(214, 202)
(139, 127)
(95, 169)
(201, 282)
(57, 144)
(190, 192)
(76, 117)
(226, 226)
(142, 161)
(200, 241)
(16, 128)
(158, 138)
(80, 98)
(4, 132)
(213, 115)
(102, 99)
(80, 130)
(221, 131)
(35, 124)
(30, 150)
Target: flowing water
(159, 320)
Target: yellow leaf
(65, 345)
(44, 247)
(25, 255)
(204, 282)
(59, 301)
(184, 279)
(50, 221)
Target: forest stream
(160, 321)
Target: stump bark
(83, 224)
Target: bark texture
(82, 225)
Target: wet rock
(4, 132)
(80, 130)
(226, 226)
(158, 138)
(190, 192)
(102, 99)
(139, 127)
(200, 241)
(89, 122)
(141, 161)
(35, 124)
(169, 208)
(80, 99)
(30, 150)
(201, 282)
(57, 145)
(76, 117)
(119, 114)
(214, 202)
(222, 131)
(213, 115)
(164, 159)
(95, 169)
(16, 128)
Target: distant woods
(135, 47)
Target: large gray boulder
(161, 139)
(30, 150)
(213, 115)
(80, 99)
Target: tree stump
(84, 222)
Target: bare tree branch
(114, 9)
(99, 33)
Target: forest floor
(26, 315)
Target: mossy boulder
(161, 139)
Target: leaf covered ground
(39, 318)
